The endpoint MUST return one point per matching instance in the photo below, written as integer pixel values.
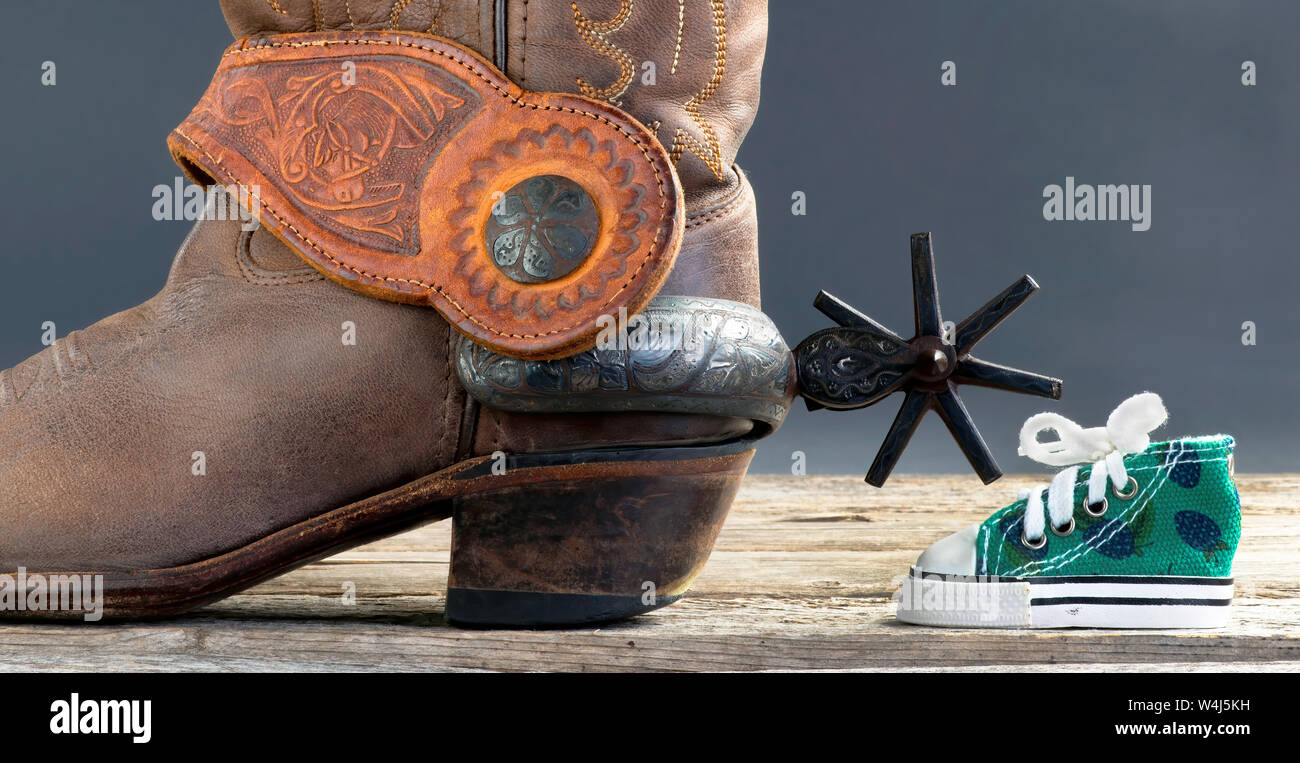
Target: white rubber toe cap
(954, 555)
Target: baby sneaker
(1131, 535)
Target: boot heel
(573, 539)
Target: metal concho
(541, 229)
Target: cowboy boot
(460, 204)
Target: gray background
(854, 116)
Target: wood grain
(800, 580)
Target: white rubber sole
(1101, 601)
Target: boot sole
(538, 540)
(1090, 601)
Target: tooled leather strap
(407, 168)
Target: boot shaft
(689, 71)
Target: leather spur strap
(407, 168)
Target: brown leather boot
(461, 202)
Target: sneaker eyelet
(1130, 490)
(1062, 532)
(1097, 509)
(1042, 541)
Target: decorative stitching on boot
(709, 152)
(399, 6)
(681, 28)
(435, 10)
(595, 34)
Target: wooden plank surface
(801, 579)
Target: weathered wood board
(801, 580)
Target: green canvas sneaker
(1133, 534)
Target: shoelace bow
(1127, 431)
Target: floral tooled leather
(384, 159)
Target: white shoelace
(1127, 431)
